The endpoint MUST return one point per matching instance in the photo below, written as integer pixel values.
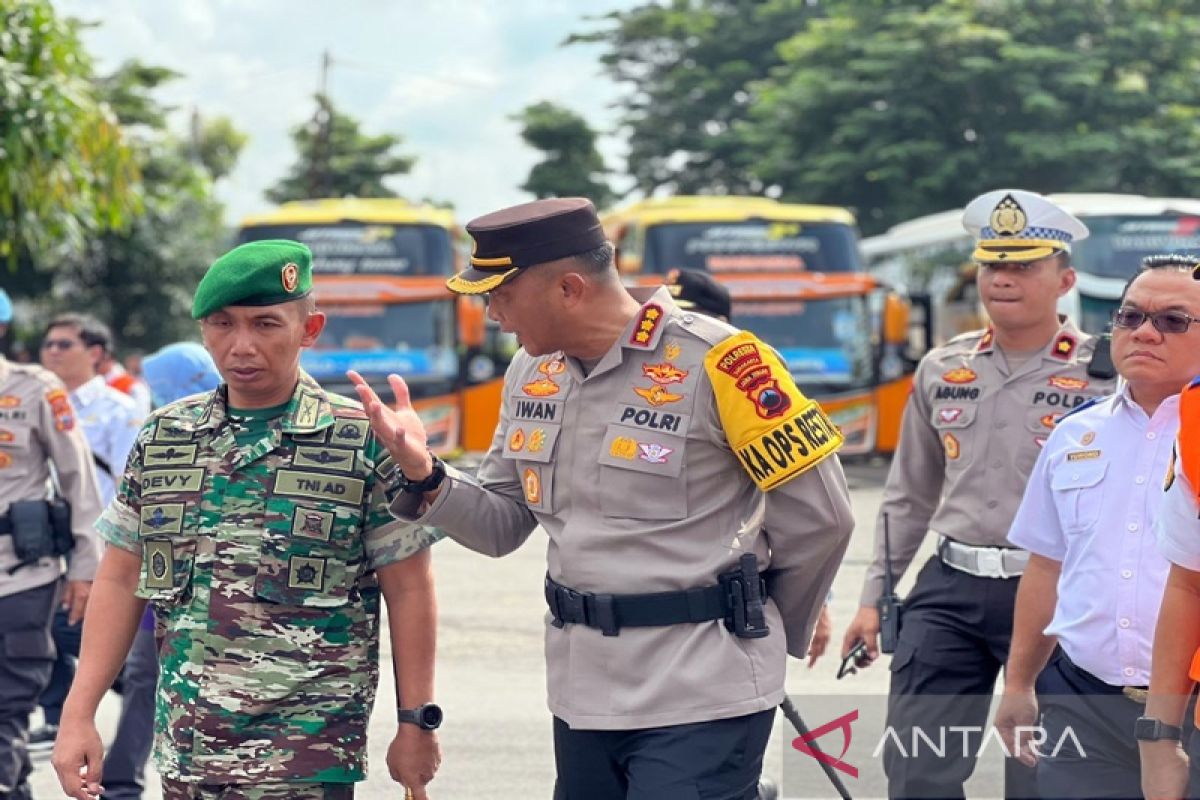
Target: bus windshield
(751, 246)
(826, 343)
(415, 340)
(354, 248)
(1117, 244)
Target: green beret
(263, 273)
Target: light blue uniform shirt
(110, 420)
(1091, 504)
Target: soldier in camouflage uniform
(255, 518)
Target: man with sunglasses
(980, 411)
(1175, 662)
(1089, 598)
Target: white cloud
(446, 76)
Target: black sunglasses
(1163, 321)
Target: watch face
(431, 716)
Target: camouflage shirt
(259, 560)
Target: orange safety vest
(123, 383)
(1189, 457)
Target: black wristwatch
(1149, 729)
(402, 483)
(427, 717)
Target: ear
(313, 325)
(571, 287)
(1066, 280)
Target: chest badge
(517, 440)
(537, 440)
(1050, 420)
(960, 375)
(1088, 438)
(664, 374)
(950, 443)
(654, 453)
(545, 385)
(672, 351)
(532, 483)
(1067, 382)
(949, 414)
(657, 396)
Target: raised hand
(399, 429)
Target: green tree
(65, 171)
(141, 279)
(338, 160)
(904, 109)
(572, 166)
(688, 66)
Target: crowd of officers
(696, 514)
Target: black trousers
(717, 760)
(1100, 758)
(26, 654)
(954, 641)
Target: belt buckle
(571, 603)
(990, 563)
(1136, 693)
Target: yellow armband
(775, 431)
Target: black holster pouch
(32, 533)
(60, 526)
(745, 591)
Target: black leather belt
(611, 612)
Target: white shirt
(1091, 504)
(110, 420)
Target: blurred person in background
(73, 346)
(37, 431)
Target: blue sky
(444, 74)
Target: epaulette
(709, 330)
(38, 373)
(966, 335)
(1081, 407)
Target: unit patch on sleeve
(775, 431)
(60, 408)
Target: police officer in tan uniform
(980, 411)
(37, 429)
(670, 460)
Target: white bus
(932, 254)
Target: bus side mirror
(895, 320)
(472, 321)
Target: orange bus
(379, 271)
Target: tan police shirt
(37, 427)
(630, 473)
(971, 433)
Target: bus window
(355, 248)
(751, 246)
(822, 341)
(1118, 244)
(415, 340)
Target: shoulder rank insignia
(775, 431)
(645, 326)
(1064, 346)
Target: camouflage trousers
(179, 790)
